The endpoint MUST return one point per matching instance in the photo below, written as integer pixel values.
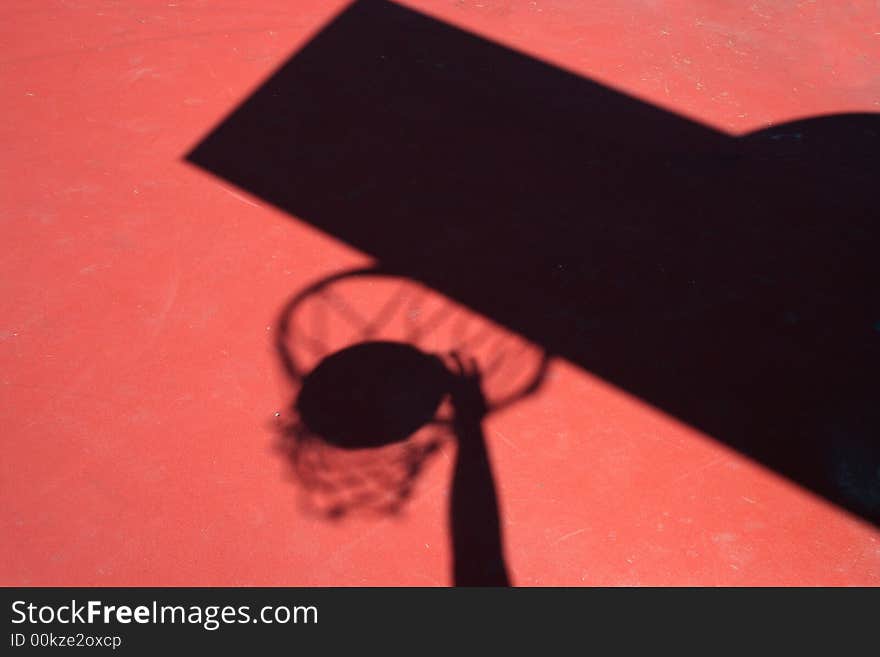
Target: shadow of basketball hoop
(728, 280)
(386, 371)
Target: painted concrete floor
(139, 297)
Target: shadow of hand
(474, 520)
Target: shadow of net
(373, 344)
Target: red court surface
(139, 294)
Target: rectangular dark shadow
(731, 282)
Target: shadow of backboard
(731, 282)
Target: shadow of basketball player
(473, 512)
(368, 403)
